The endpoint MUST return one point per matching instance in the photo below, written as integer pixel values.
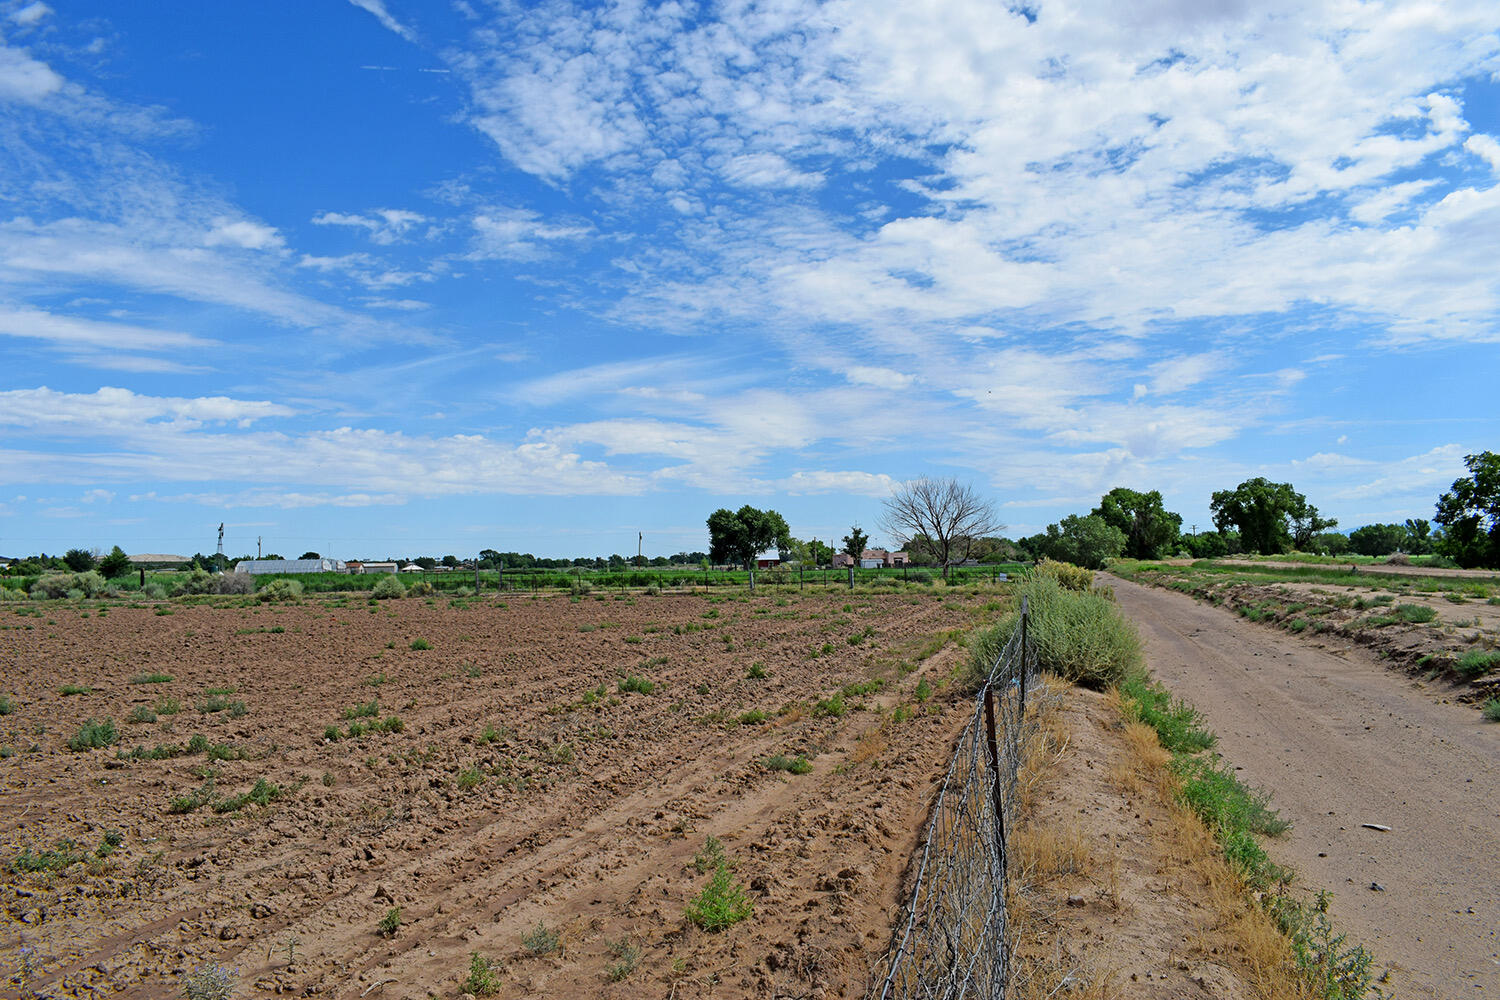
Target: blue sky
(380, 276)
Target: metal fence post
(1025, 638)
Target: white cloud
(384, 225)
(767, 170)
(858, 483)
(112, 411)
(31, 14)
(23, 78)
(377, 8)
(1486, 148)
(69, 331)
(518, 234)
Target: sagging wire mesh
(954, 941)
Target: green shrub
(142, 713)
(390, 923)
(94, 735)
(752, 718)
(420, 589)
(637, 685)
(72, 689)
(721, 904)
(279, 590)
(757, 671)
(60, 859)
(470, 778)
(1476, 663)
(1081, 637)
(1233, 811)
(1492, 710)
(831, 707)
(6, 705)
(420, 643)
(388, 587)
(627, 955)
(151, 678)
(209, 982)
(1417, 614)
(1068, 576)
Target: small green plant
(1416, 614)
(1178, 725)
(375, 680)
(420, 643)
(754, 717)
(6, 705)
(793, 765)
(151, 678)
(94, 735)
(491, 733)
(368, 710)
(472, 670)
(539, 940)
(72, 689)
(627, 956)
(390, 923)
(142, 713)
(710, 856)
(482, 980)
(64, 856)
(167, 705)
(831, 707)
(1491, 710)
(722, 903)
(757, 671)
(209, 982)
(470, 778)
(1476, 663)
(638, 685)
(923, 690)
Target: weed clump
(386, 588)
(637, 685)
(279, 590)
(539, 940)
(482, 980)
(390, 923)
(1491, 710)
(420, 643)
(1477, 663)
(1178, 725)
(209, 982)
(722, 903)
(94, 735)
(792, 765)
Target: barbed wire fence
(954, 941)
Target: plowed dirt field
(525, 784)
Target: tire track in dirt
(1341, 741)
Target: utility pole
(257, 546)
(640, 537)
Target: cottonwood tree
(1083, 541)
(1271, 517)
(1150, 529)
(951, 515)
(737, 536)
(1470, 513)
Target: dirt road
(1341, 741)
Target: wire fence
(954, 940)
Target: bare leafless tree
(949, 515)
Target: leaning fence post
(1021, 687)
(999, 804)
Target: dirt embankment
(1342, 742)
(528, 782)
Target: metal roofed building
(260, 567)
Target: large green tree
(1150, 529)
(855, 542)
(1470, 514)
(79, 560)
(1271, 517)
(1083, 541)
(117, 563)
(737, 536)
(1378, 539)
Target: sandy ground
(1341, 741)
(586, 815)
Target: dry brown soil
(586, 816)
(1340, 741)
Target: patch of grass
(375, 680)
(368, 710)
(218, 703)
(1178, 725)
(209, 982)
(539, 940)
(263, 793)
(793, 765)
(60, 858)
(830, 707)
(1416, 614)
(141, 713)
(492, 733)
(167, 705)
(469, 779)
(420, 643)
(1235, 812)
(72, 689)
(482, 980)
(754, 717)
(94, 735)
(722, 903)
(6, 705)
(637, 685)
(1476, 663)
(151, 678)
(757, 671)
(710, 856)
(1491, 710)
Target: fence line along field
(702, 795)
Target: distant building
(411, 568)
(159, 559)
(261, 567)
(768, 558)
(872, 559)
(358, 566)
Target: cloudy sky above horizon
(380, 276)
